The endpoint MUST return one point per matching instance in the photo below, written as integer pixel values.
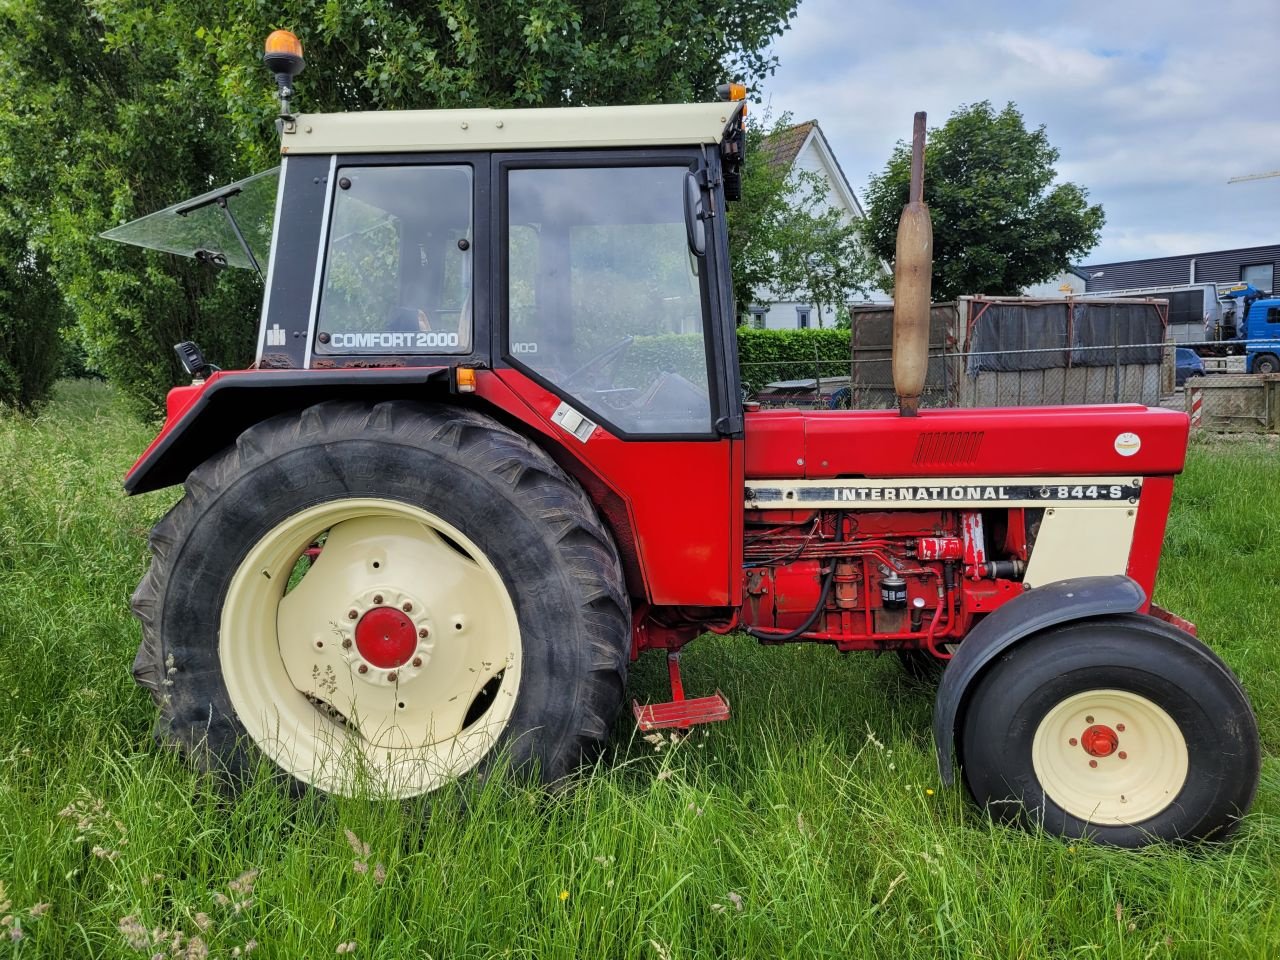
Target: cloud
(1149, 108)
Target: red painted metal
(1160, 613)
(675, 503)
(1015, 537)
(680, 712)
(695, 560)
(789, 561)
(975, 544)
(386, 637)
(1038, 441)
(939, 548)
(176, 403)
(1148, 533)
(1099, 740)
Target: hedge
(763, 355)
(768, 355)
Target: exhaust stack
(912, 276)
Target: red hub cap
(386, 637)
(1099, 741)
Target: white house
(805, 147)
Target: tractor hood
(227, 227)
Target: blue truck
(1257, 332)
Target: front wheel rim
(370, 641)
(1110, 757)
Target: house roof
(781, 149)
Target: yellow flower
(928, 791)
(1071, 849)
(564, 895)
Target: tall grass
(810, 825)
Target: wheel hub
(1083, 767)
(386, 637)
(1099, 740)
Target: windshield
(201, 228)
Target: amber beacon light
(282, 55)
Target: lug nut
(319, 644)
(363, 668)
(1122, 755)
(1120, 727)
(407, 607)
(1093, 763)
(1073, 741)
(423, 633)
(392, 676)
(1088, 719)
(377, 598)
(352, 614)
(346, 644)
(417, 661)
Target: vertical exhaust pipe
(912, 282)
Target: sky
(1152, 105)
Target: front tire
(1266, 363)
(1124, 729)
(389, 595)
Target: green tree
(31, 319)
(119, 107)
(1000, 223)
(100, 126)
(820, 259)
(786, 242)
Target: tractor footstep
(681, 713)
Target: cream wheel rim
(393, 663)
(1110, 757)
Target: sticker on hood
(1127, 444)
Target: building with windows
(1256, 265)
(804, 147)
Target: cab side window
(604, 298)
(397, 271)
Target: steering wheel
(598, 360)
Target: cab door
(610, 323)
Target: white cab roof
(397, 131)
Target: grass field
(810, 825)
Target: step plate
(681, 713)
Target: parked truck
(1255, 321)
(1195, 313)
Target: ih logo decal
(275, 336)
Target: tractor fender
(1063, 601)
(205, 417)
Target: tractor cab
(584, 247)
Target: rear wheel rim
(392, 661)
(1110, 757)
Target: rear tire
(502, 623)
(1124, 729)
(1266, 363)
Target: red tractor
(494, 447)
